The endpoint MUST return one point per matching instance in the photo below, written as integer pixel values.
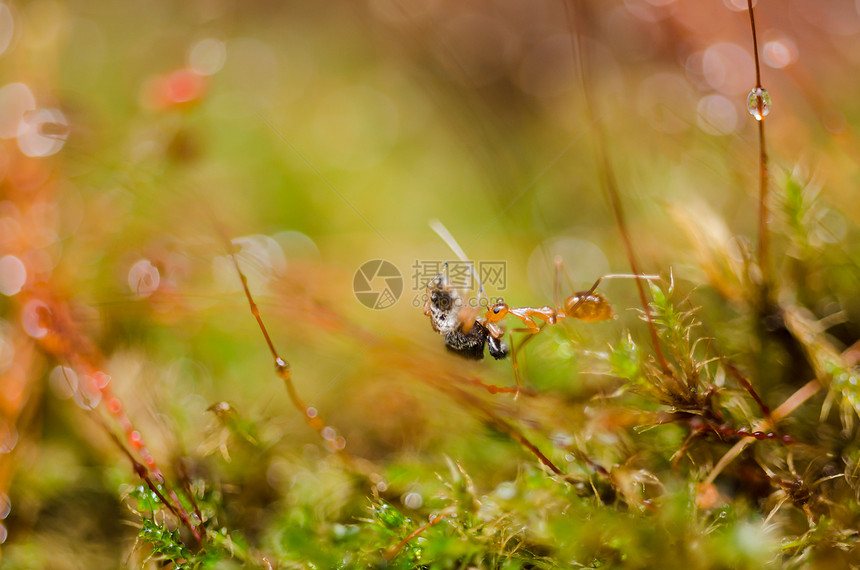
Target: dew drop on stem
(758, 103)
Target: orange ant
(588, 306)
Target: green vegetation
(168, 171)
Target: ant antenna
(449, 240)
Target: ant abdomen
(588, 307)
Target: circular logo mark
(377, 284)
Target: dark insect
(464, 333)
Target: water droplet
(758, 103)
(328, 433)
(64, 381)
(413, 500)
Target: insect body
(464, 333)
(588, 306)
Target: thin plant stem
(177, 510)
(755, 44)
(763, 236)
(787, 407)
(310, 414)
(435, 519)
(610, 187)
(67, 344)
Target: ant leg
(528, 314)
(621, 276)
(556, 298)
(515, 366)
(514, 350)
(559, 271)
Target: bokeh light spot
(728, 68)
(16, 99)
(63, 381)
(738, 5)
(143, 278)
(584, 261)
(179, 88)
(7, 27)
(42, 132)
(88, 395)
(13, 275)
(413, 500)
(182, 86)
(717, 115)
(7, 348)
(260, 257)
(779, 53)
(207, 56)
(34, 315)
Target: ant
(588, 306)
(464, 333)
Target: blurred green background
(321, 135)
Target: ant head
(497, 311)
